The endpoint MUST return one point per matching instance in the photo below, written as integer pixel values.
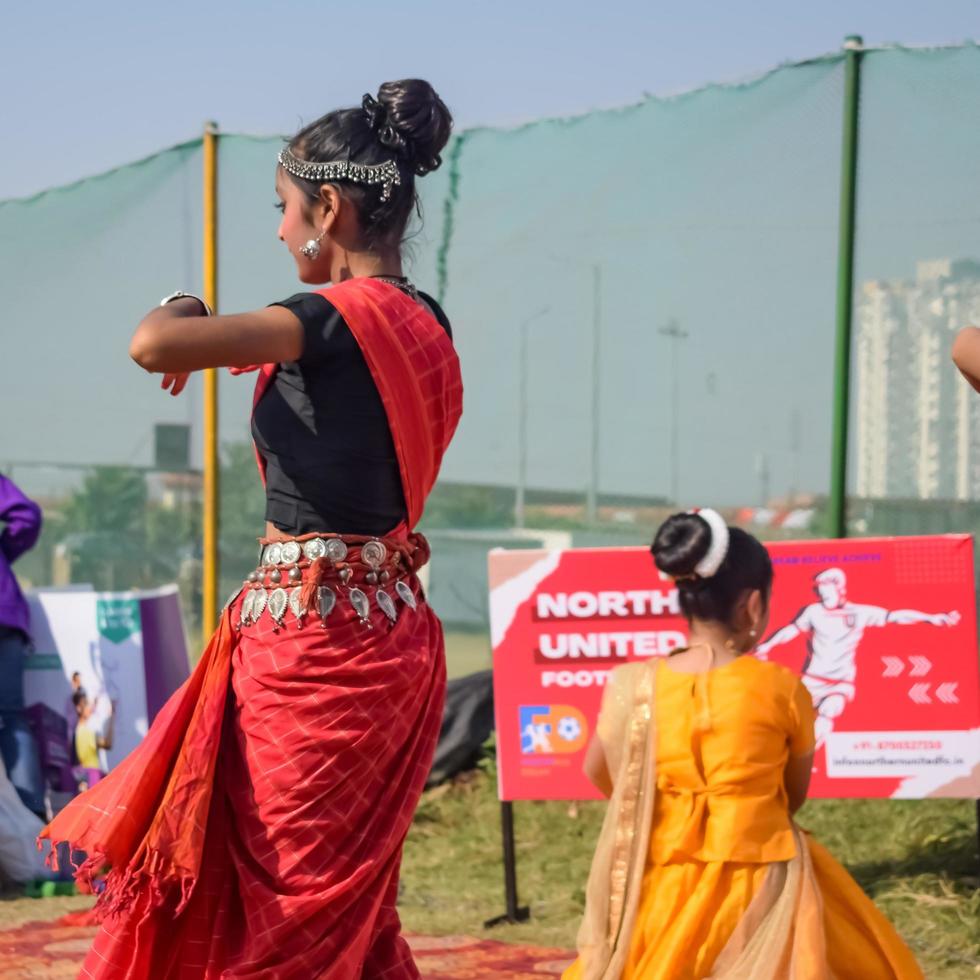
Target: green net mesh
(662, 277)
(915, 456)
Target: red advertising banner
(883, 631)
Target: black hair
(682, 542)
(407, 122)
(78, 697)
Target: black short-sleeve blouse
(322, 430)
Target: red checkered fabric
(327, 740)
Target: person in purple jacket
(20, 519)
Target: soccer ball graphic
(569, 729)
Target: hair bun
(416, 123)
(681, 543)
(375, 112)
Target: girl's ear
(329, 208)
(749, 611)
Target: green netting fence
(662, 275)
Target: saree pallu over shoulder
(416, 370)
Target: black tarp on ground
(466, 725)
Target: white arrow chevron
(920, 666)
(893, 667)
(947, 692)
(919, 693)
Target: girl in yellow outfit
(700, 871)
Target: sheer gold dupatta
(781, 934)
(626, 729)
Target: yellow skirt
(689, 910)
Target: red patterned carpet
(41, 950)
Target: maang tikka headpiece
(386, 174)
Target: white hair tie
(708, 566)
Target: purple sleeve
(22, 518)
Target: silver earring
(753, 634)
(312, 248)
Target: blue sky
(87, 87)
(734, 232)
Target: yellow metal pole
(209, 606)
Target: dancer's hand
(175, 382)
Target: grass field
(467, 653)
(918, 860)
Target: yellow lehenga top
(723, 740)
(700, 871)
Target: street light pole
(592, 493)
(521, 489)
(674, 333)
(796, 441)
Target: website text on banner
(883, 631)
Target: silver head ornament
(386, 174)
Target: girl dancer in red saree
(258, 829)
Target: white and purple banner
(128, 648)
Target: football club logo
(552, 729)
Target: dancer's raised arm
(181, 337)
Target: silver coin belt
(365, 576)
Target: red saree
(257, 830)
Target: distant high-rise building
(918, 424)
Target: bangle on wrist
(180, 294)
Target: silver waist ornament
(248, 604)
(362, 605)
(291, 552)
(387, 605)
(406, 594)
(371, 578)
(296, 606)
(278, 604)
(327, 599)
(373, 554)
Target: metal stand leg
(978, 830)
(514, 913)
